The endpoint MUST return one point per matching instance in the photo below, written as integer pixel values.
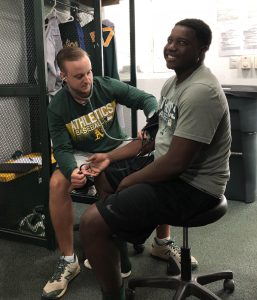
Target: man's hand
(78, 179)
(95, 164)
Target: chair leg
(157, 282)
(195, 289)
(181, 292)
(212, 277)
(184, 284)
(183, 288)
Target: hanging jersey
(109, 48)
(72, 34)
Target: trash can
(242, 101)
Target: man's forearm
(129, 150)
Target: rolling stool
(186, 284)
(81, 196)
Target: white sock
(162, 241)
(69, 258)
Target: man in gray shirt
(190, 169)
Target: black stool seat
(182, 281)
(206, 217)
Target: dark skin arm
(179, 156)
(131, 150)
(100, 161)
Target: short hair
(69, 54)
(202, 30)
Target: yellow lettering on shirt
(106, 42)
(92, 122)
(98, 134)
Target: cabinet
(242, 102)
(23, 106)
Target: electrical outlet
(234, 62)
(245, 62)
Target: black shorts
(134, 213)
(122, 168)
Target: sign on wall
(237, 23)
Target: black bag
(152, 126)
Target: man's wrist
(110, 157)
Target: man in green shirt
(82, 119)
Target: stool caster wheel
(229, 285)
(130, 294)
(139, 248)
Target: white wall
(154, 21)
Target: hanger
(52, 12)
(64, 16)
(75, 8)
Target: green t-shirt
(197, 109)
(73, 126)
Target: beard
(80, 94)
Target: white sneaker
(88, 266)
(63, 274)
(169, 249)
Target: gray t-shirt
(197, 109)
